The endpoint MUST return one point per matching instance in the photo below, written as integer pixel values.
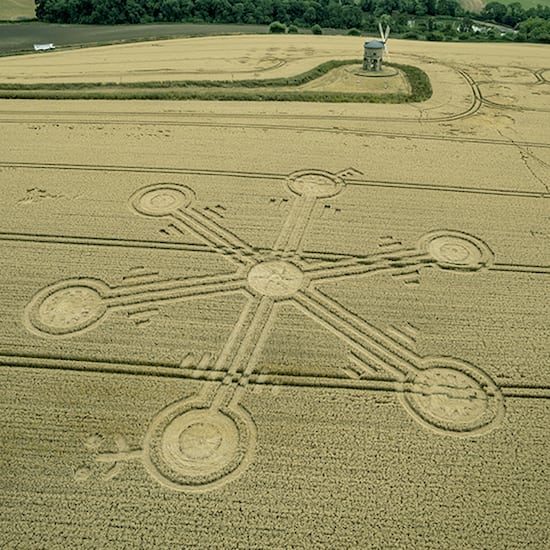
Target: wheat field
(12, 10)
(277, 325)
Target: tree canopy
(346, 14)
(431, 19)
(513, 13)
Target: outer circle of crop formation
(276, 278)
(451, 396)
(191, 448)
(456, 250)
(315, 184)
(200, 442)
(162, 199)
(66, 308)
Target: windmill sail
(384, 35)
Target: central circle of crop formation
(162, 201)
(449, 395)
(276, 278)
(200, 442)
(455, 252)
(69, 307)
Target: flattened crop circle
(66, 308)
(189, 448)
(276, 278)
(315, 184)
(451, 396)
(200, 442)
(456, 250)
(161, 199)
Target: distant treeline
(532, 24)
(402, 15)
(344, 14)
(514, 13)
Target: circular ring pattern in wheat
(315, 184)
(162, 199)
(191, 448)
(453, 397)
(275, 278)
(66, 308)
(200, 441)
(456, 250)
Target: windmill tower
(374, 51)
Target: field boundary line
(330, 257)
(272, 176)
(141, 169)
(136, 243)
(172, 370)
(521, 268)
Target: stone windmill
(374, 51)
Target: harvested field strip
(225, 90)
(302, 78)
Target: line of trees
(512, 14)
(404, 16)
(345, 14)
(532, 24)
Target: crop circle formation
(315, 184)
(66, 309)
(456, 250)
(161, 199)
(200, 442)
(454, 398)
(190, 447)
(276, 278)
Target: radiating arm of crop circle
(392, 261)
(358, 334)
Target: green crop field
(11, 10)
(20, 37)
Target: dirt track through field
(314, 325)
